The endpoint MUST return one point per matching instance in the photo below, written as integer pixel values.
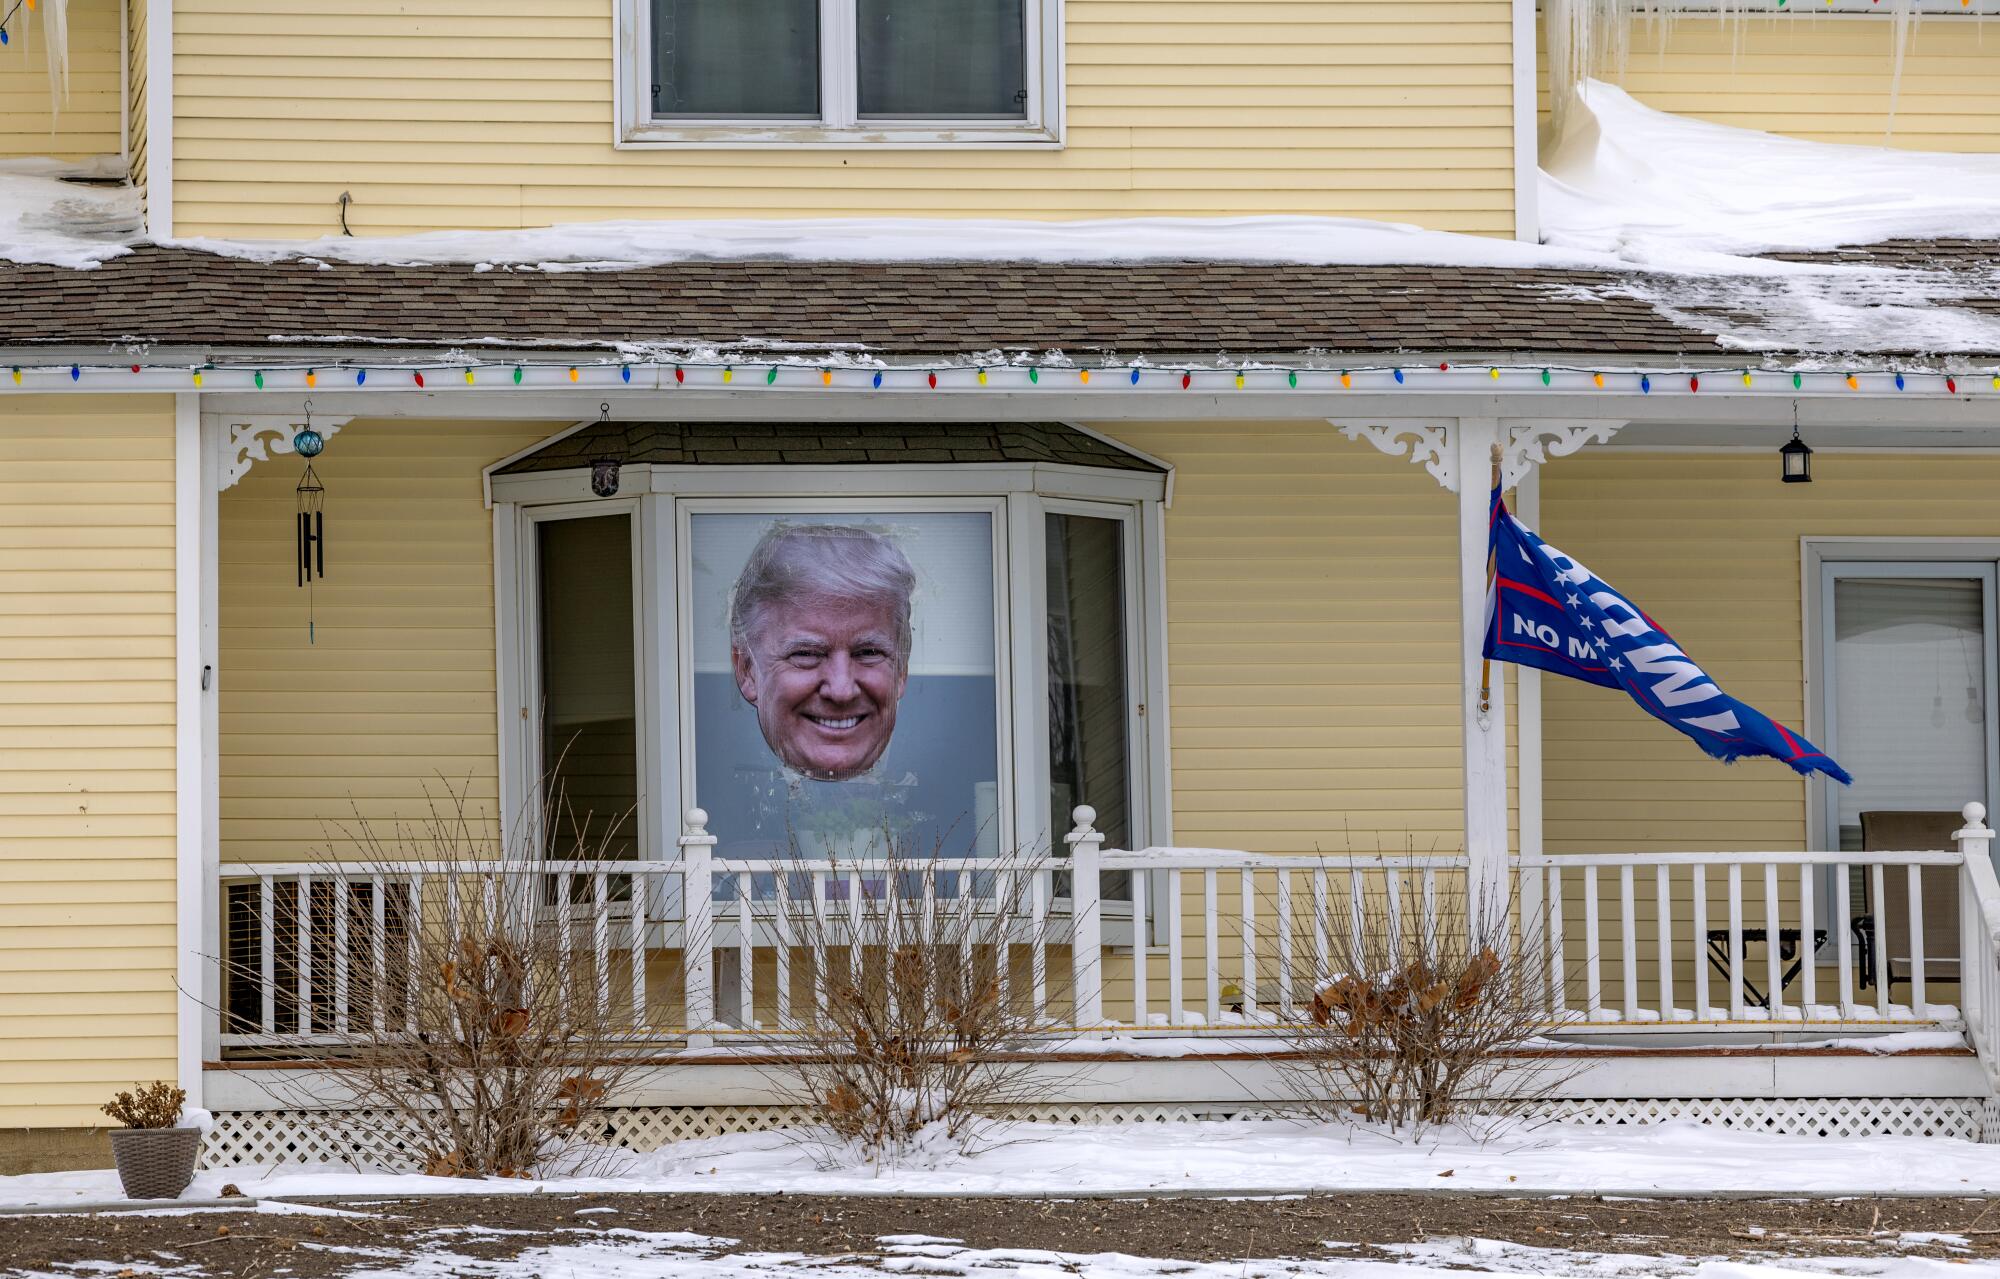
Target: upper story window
(839, 72)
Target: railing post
(698, 927)
(1978, 991)
(1086, 956)
(1976, 837)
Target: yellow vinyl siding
(86, 753)
(1825, 77)
(396, 692)
(1727, 586)
(443, 113)
(32, 121)
(1312, 631)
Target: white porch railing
(1195, 941)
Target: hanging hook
(604, 411)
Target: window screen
(736, 59)
(932, 59)
(1089, 758)
(589, 730)
(1909, 665)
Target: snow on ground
(632, 1254)
(1280, 1156)
(1653, 188)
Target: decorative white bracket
(1426, 442)
(1534, 443)
(260, 438)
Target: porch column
(1485, 729)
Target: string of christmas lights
(9, 19)
(663, 373)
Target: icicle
(1903, 19)
(1592, 39)
(55, 47)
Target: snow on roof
(47, 217)
(1628, 187)
(1687, 217)
(1656, 189)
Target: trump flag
(1545, 609)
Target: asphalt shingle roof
(179, 296)
(824, 443)
(171, 295)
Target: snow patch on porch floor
(1271, 1157)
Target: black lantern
(604, 470)
(604, 476)
(1796, 458)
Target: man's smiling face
(825, 674)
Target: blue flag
(1546, 610)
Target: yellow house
(1185, 528)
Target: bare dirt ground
(250, 1245)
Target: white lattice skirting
(243, 1137)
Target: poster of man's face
(845, 682)
(820, 644)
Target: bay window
(935, 660)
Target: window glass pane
(845, 689)
(1089, 761)
(1909, 667)
(942, 58)
(589, 735)
(736, 58)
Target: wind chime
(307, 443)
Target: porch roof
(172, 295)
(828, 444)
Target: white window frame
(1821, 559)
(1137, 703)
(662, 498)
(525, 686)
(840, 124)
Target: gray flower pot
(155, 1163)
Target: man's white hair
(795, 562)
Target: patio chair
(1884, 832)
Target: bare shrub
(154, 1105)
(449, 982)
(922, 991)
(1421, 1013)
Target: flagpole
(1492, 564)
